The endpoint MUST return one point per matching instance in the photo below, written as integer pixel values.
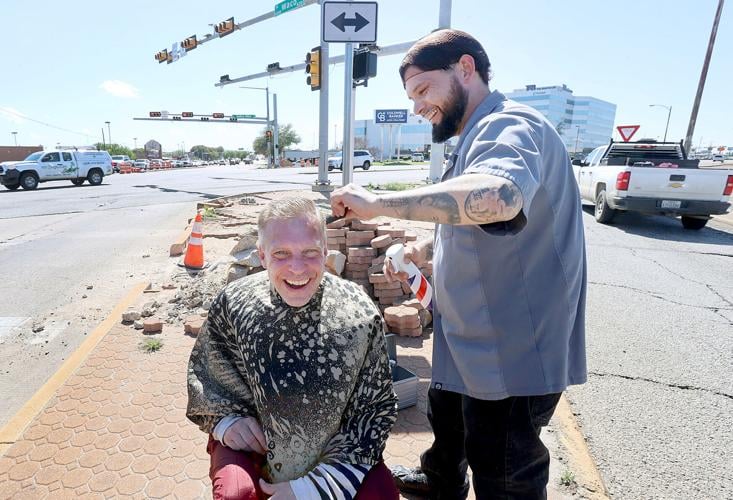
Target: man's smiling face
(439, 98)
(294, 253)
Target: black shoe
(410, 480)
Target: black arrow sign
(358, 22)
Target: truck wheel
(604, 213)
(95, 177)
(77, 182)
(29, 181)
(693, 223)
(12, 187)
(330, 168)
(366, 165)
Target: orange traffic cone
(195, 249)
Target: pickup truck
(56, 165)
(654, 178)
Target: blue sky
(76, 64)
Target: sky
(69, 67)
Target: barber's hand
(354, 202)
(277, 491)
(412, 254)
(245, 435)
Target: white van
(56, 165)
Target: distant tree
(286, 138)
(115, 149)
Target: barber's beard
(453, 112)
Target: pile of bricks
(364, 244)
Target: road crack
(658, 382)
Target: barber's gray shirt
(510, 297)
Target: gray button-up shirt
(510, 297)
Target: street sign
(243, 117)
(390, 116)
(627, 131)
(343, 22)
(287, 6)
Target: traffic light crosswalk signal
(313, 68)
(189, 43)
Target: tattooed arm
(464, 200)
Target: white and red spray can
(418, 283)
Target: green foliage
(567, 478)
(116, 149)
(151, 345)
(287, 137)
(208, 213)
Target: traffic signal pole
(347, 148)
(275, 132)
(437, 151)
(323, 184)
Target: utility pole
(348, 145)
(15, 137)
(109, 133)
(104, 144)
(703, 77)
(322, 183)
(577, 136)
(437, 151)
(276, 132)
(135, 139)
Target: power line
(5, 110)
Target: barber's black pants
(500, 440)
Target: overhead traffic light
(162, 56)
(189, 43)
(218, 115)
(313, 68)
(225, 27)
(268, 134)
(187, 114)
(155, 114)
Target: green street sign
(287, 6)
(242, 117)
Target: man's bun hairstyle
(444, 47)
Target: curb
(15, 427)
(580, 459)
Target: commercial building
(584, 122)
(383, 139)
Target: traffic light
(365, 65)
(176, 117)
(218, 115)
(187, 114)
(162, 56)
(225, 27)
(313, 68)
(155, 114)
(189, 43)
(268, 134)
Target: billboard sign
(390, 116)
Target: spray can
(418, 283)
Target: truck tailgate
(677, 183)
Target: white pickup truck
(56, 165)
(654, 178)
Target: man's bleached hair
(291, 208)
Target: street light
(669, 112)
(15, 137)
(109, 133)
(135, 139)
(577, 136)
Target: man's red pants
(236, 475)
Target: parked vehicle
(143, 164)
(56, 165)
(361, 158)
(719, 158)
(120, 160)
(651, 177)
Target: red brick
(382, 241)
(152, 325)
(394, 233)
(356, 274)
(358, 225)
(407, 332)
(410, 236)
(377, 278)
(387, 292)
(337, 224)
(361, 252)
(378, 260)
(394, 285)
(352, 266)
(336, 233)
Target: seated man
(290, 376)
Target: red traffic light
(155, 114)
(218, 115)
(187, 114)
(225, 27)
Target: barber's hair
(443, 48)
(291, 208)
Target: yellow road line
(15, 427)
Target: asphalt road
(656, 409)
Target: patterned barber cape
(317, 378)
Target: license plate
(671, 203)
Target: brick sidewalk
(117, 427)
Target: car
(144, 164)
(361, 158)
(719, 158)
(120, 160)
(417, 157)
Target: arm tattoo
(436, 207)
(492, 204)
